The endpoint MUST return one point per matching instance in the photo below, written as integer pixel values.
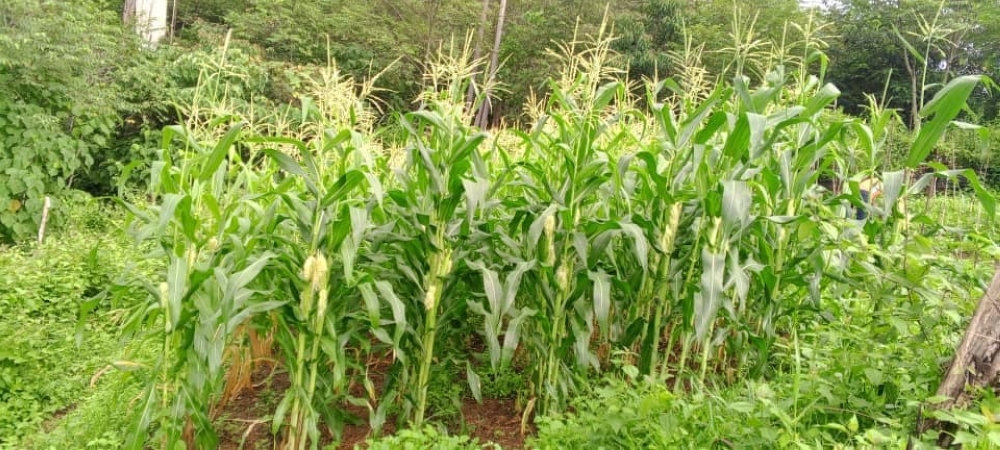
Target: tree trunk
(149, 18)
(484, 111)
(477, 52)
(976, 363)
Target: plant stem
(295, 426)
(428, 355)
(680, 367)
(662, 307)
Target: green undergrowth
(51, 366)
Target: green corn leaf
(299, 145)
(335, 140)
(463, 152)
(736, 201)
(606, 93)
(474, 382)
(432, 117)
(602, 297)
(826, 95)
(690, 126)
(244, 277)
(138, 431)
(372, 306)
(709, 299)
(288, 164)
(984, 195)
(279, 413)
(177, 286)
(167, 209)
(668, 124)
(513, 282)
(188, 222)
(738, 142)
(344, 186)
(475, 195)
(359, 223)
(639, 244)
(219, 153)
(375, 187)
(718, 119)
(395, 304)
(742, 90)
(765, 96)
(512, 336)
(738, 280)
(252, 310)
(945, 105)
(492, 288)
(892, 185)
(537, 227)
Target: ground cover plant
(49, 360)
(678, 268)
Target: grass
(51, 388)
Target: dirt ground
(240, 424)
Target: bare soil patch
(242, 422)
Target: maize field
(684, 228)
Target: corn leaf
(945, 105)
(709, 299)
(219, 153)
(177, 286)
(602, 297)
(474, 382)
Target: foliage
(694, 221)
(687, 239)
(58, 106)
(851, 382)
(43, 371)
(426, 437)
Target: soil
(495, 420)
(242, 420)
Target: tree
(149, 18)
(482, 120)
(647, 35)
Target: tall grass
(691, 232)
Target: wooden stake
(976, 363)
(45, 218)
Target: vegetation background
(171, 165)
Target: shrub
(58, 101)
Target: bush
(58, 101)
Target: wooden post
(976, 363)
(45, 218)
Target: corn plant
(433, 207)
(318, 224)
(327, 223)
(211, 286)
(561, 232)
